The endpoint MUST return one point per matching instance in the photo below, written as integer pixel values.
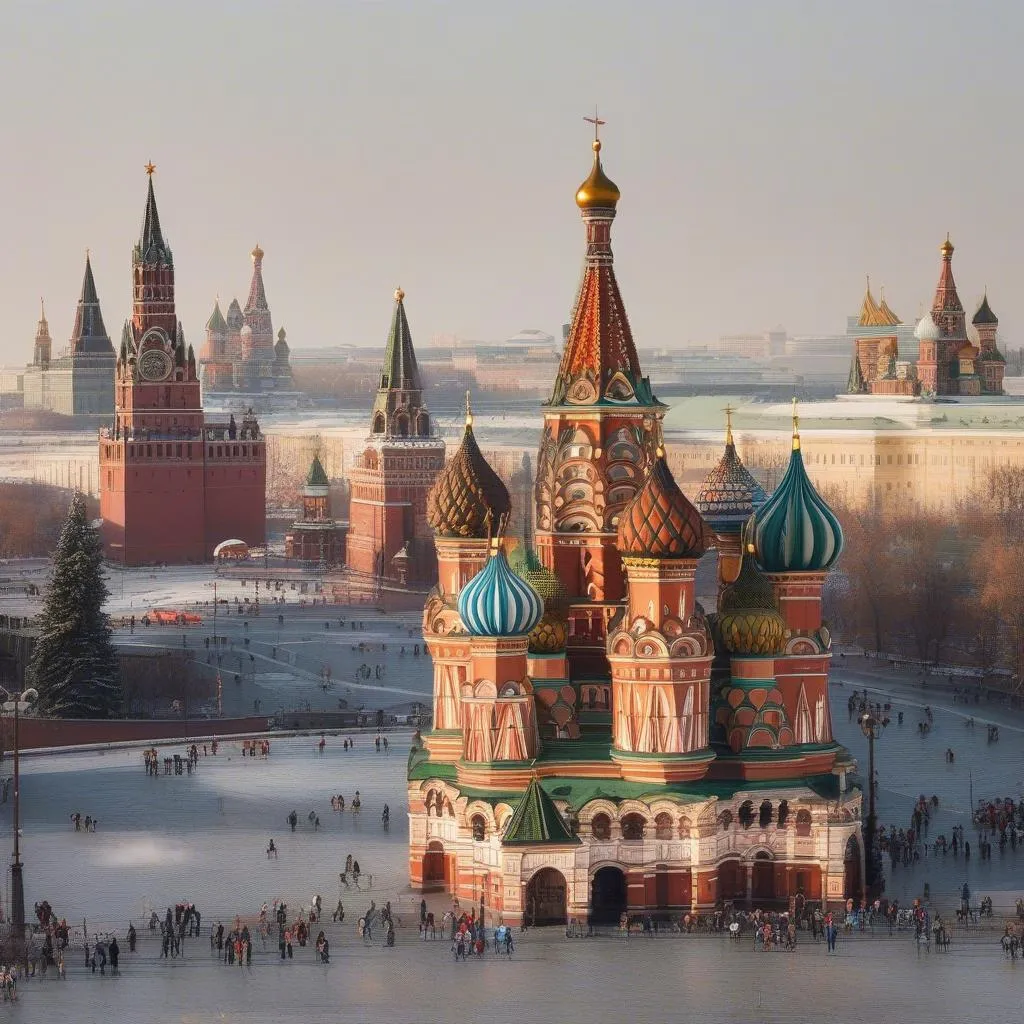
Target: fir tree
(74, 665)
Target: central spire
(152, 248)
(599, 363)
(89, 334)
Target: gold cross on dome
(150, 168)
(596, 122)
(728, 410)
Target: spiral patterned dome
(661, 522)
(729, 495)
(497, 602)
(795, 530)
(466, 490)
(748, 614)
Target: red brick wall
(54, 732)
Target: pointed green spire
(317, 475)
(537, 821)
(217, 323)
(152, 248)
(400, 371)
(88, 333)
(855, 382)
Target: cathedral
(389, 537)
(239, 353)
(602, 744)
(954, 359)
(80, 381)
(172, 484)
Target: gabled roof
(536, 821)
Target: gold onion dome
(257, 253)
(661, 522)
(748, 614)
(598, 190)
(550, 634)
(468, 498)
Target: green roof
(317, 476)
(536, 820)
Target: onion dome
(468, 498)
(927, 329)
(661, 522)
(496, 602)
(984, 317)
(748, 614)
(552, 633)
(795, 530)
(217, 324)
(729, 495)
(598, 190)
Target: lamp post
(872, 728)
(17, 703)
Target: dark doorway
(764, 880)
(434, 866)
(732, 881)
(546, 898)
(851, 870)
(608, 896)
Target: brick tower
(598, 439)
(388, 508)
(170, 488)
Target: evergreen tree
(74, 665)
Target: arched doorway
(851, 870)
(434, 866)
(546, 898)
(732, 881)
(608, 896)
(763, 890)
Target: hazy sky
(769, 155)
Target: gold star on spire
(150, 168)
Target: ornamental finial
(796, 427)
(469, 410)
(399, 294)
(150, 168)
(728, 410)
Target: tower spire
(152, 248)
(728, 410)
(88, 333)
(399, 408)
(796, 427)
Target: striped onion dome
(497, 602)
(795, 530)
(660, 522)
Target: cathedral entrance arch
(434, 867)
(608, 895)
(851, 870)
(546, 898)
(763, 890)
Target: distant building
(239, 353)
(402, 457)
(953, 359)
(317, 538)
(172, 486)
(79, 382)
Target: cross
(150, 168)
(796, 427)
(728, 410)
(596, 122)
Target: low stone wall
(56, 732)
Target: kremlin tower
(172, 486)
(601, 744)
(402, 457)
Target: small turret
(43, 348)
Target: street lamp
(872, 728)
(17, 704)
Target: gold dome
(947, 247)
(257, 253)
(598, 190)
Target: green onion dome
(795, 530)
(551, 634)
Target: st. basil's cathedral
(601, 743)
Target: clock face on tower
(154, 365)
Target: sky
(770, 153)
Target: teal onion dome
(795, 530)
(497, 602)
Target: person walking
(831, 933)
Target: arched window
(378, 423)
(746, 813)
(764, 818)
(803, 823)
(663, 826)
(423, 425)
(601, 826)
(479, 826)
(783, 813)
(633, 826)
(725, 821)
(402, 425)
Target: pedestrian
(115, 955)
